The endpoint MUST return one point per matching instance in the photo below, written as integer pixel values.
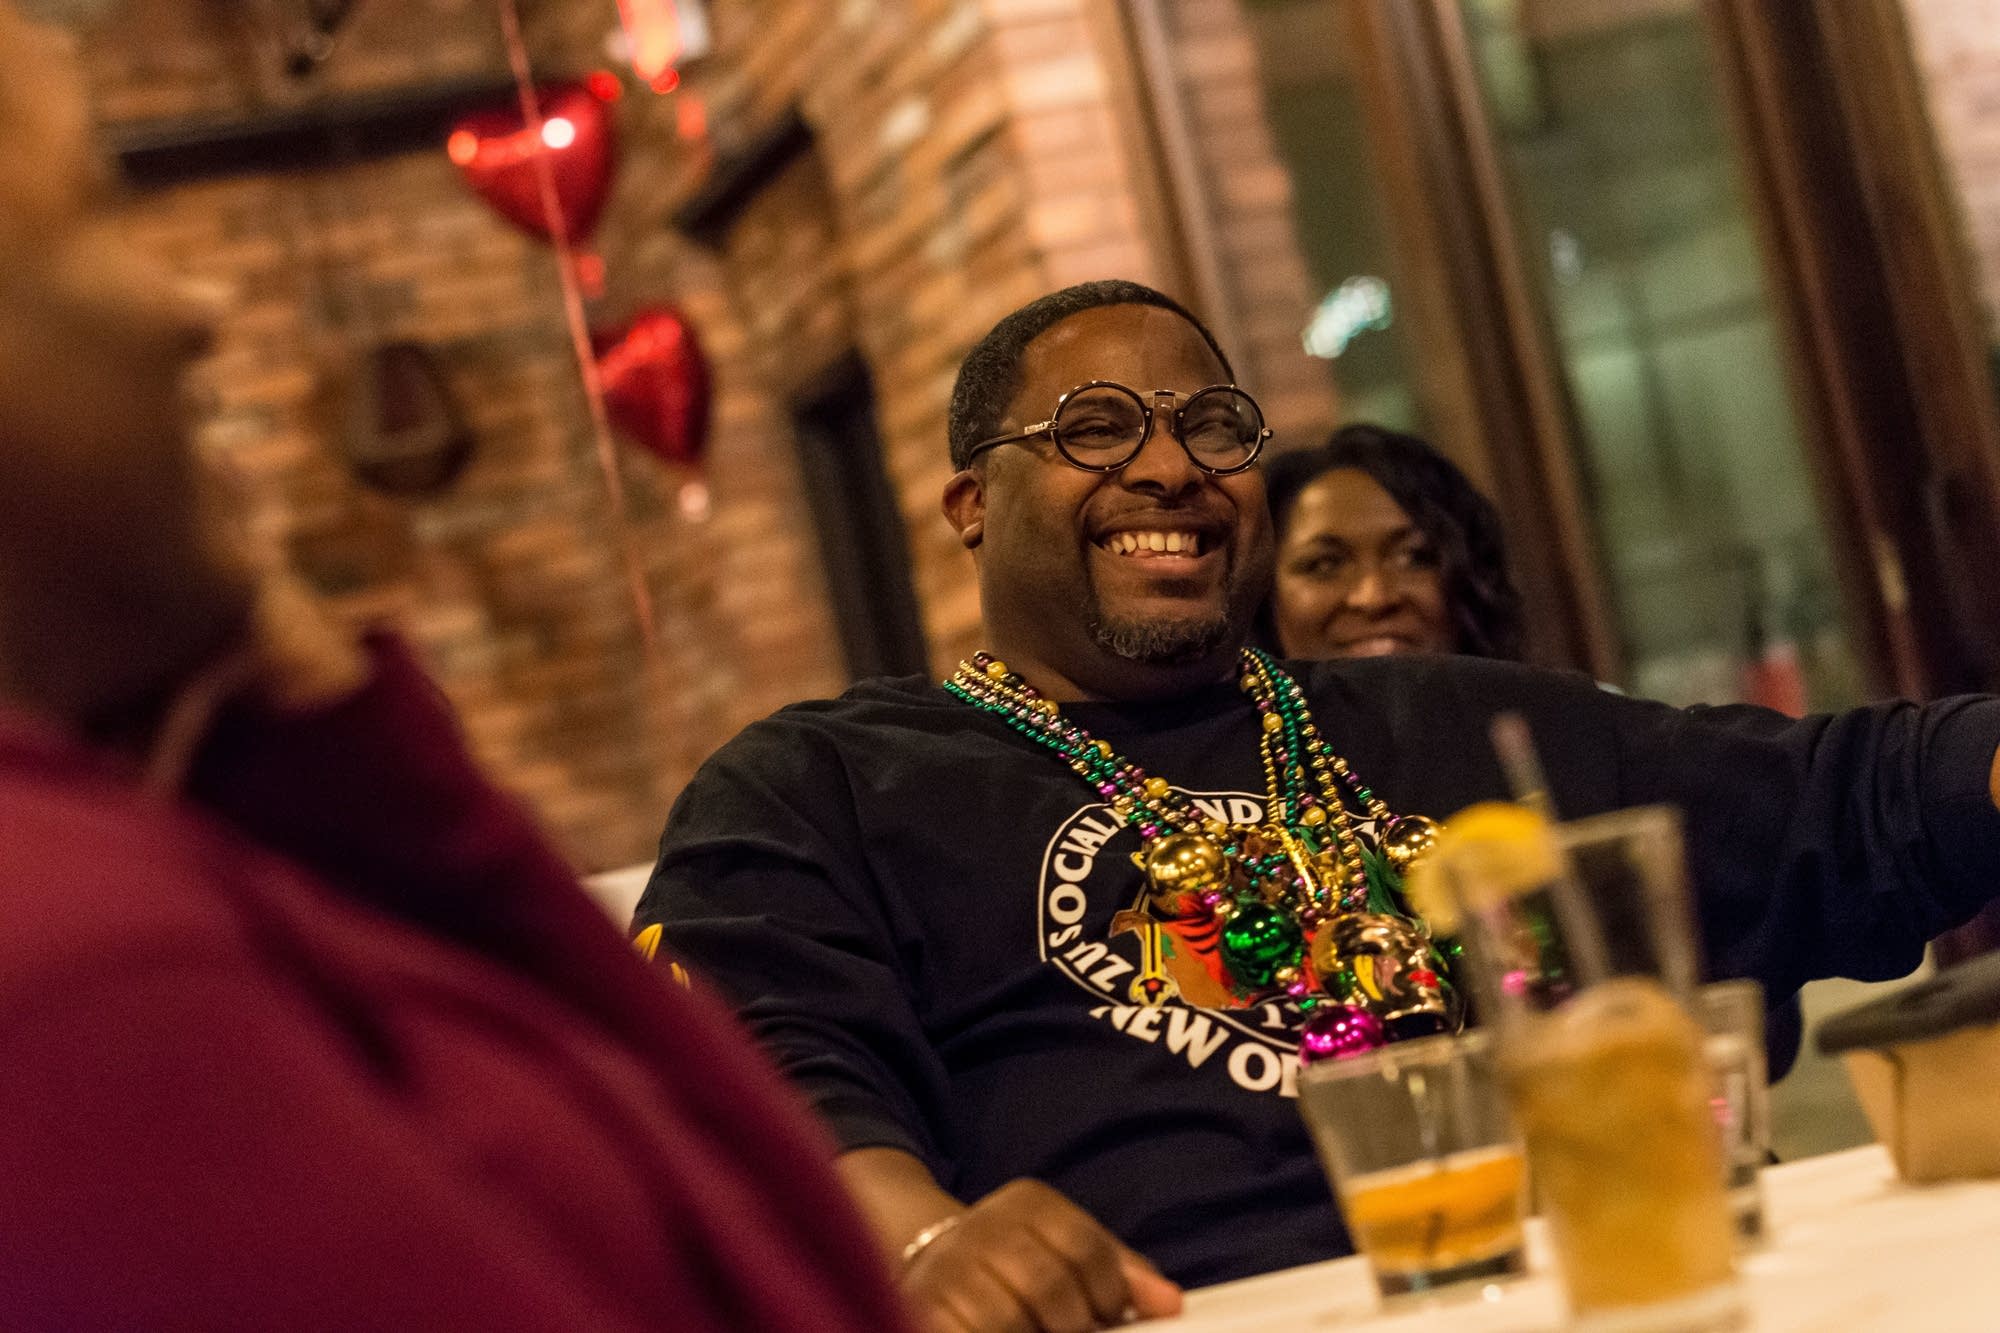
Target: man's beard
(1165, 640)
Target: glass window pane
(1628, 201)
(1316, 119)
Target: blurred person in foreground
(302, 1024)
(1043, 1061)
(1384, 546)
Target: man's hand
(1024, 1259)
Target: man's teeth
(1164, 543)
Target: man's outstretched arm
(1022, 1258)
(1835, 845)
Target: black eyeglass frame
(1147, 406)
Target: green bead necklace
(1285, 896)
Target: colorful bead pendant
(1338, 1032)
(1386, 965)
(1180, 868)
(1257, 942)
(1408, 840)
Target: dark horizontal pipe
(154, 154)
(735, 180)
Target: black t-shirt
(910, 903)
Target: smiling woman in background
(1385, 547)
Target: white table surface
(1850, 1248)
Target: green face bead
(1257, 941)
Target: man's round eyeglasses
(1101, 426)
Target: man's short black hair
(990, 375)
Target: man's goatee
(1159, 641)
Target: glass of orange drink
(1582, 948)
(1424, 1159)
(1612, 1093)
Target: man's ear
(965, 506)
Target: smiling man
(1041, 942)
(1156, 572)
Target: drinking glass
(1630, 877)
(1612, 1093)
(1423, 1157)
(1631, 897)
(1732, 1015)
(1586, 968)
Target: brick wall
(1958, 49)
(966, 158)
(507, 582)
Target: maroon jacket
(336, 1042)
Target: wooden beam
(1176, 159)
(157, 154)
(1488, 375)
(1873, 290)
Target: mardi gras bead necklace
(1299, 906)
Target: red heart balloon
(656, 384)
(497, 150)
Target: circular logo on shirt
(1159, 982)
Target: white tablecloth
(1851, 1248)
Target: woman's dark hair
(1459, 522)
